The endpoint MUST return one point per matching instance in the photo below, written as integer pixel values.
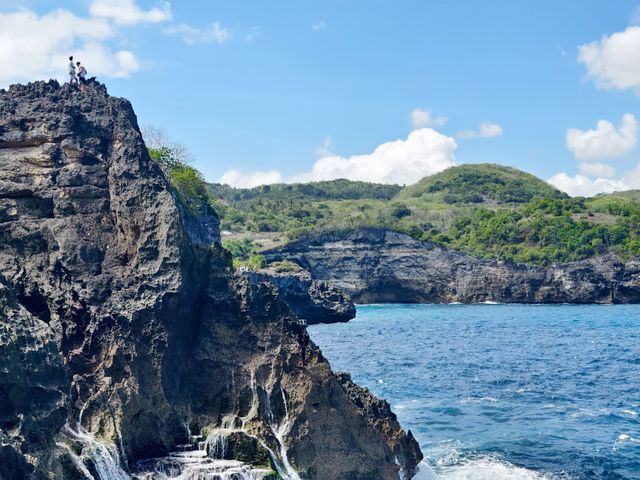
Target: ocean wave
(487, 468)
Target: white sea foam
(487, 468)
(624, 439)
(479, 400)
(424, 472)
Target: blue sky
(304, 90)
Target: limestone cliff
(124, 331)
(379, 266)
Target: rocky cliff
(314, 301)
(125, 335)
(379, 266)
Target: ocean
(503, 391)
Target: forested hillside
(484, 209)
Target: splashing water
(198, 460)
(279, 431)
(104, 456)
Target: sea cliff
(126, 335)
(375, 265)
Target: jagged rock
(380, 266)
(314, 301)
(152, 329)
(33, 391)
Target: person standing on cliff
(82, 73)
(71, 69)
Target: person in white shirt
(71, 69)
(82, 73)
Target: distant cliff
(125, 334)
(378, 266)
(314, 301)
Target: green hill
(340, 189)
(484, 183)
(486, 210)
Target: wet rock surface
(125, 318)
(379, 266)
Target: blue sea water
(503, 391)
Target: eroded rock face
(378, 266)
(314, 301)
(141, 326)
(33, 391)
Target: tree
(156, 138)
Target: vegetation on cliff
(187, 183)
(483, 209)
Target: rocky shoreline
(126, 335)
(380, 266)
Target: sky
(384, 91)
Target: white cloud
(423, 153)
(583, 186)
(614, 61)
(102, 61)
(239, 179)
(423, 118)
(597, 170)
(319, 26)
(486, 130)
(213, 33)
(489, 130)
(126, 12)
(605, 141)
(37, 46)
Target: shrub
(187, 183)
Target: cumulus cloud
(37, 46)
(597, 169)
(486, 130)
(584, 186)
(126, 12)
(240, 179)
(580, 185)
(424, 152)
(605, 141)
(319, 26)
(614, 61)
(423, 118)
(213, 33)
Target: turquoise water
(503, 391)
